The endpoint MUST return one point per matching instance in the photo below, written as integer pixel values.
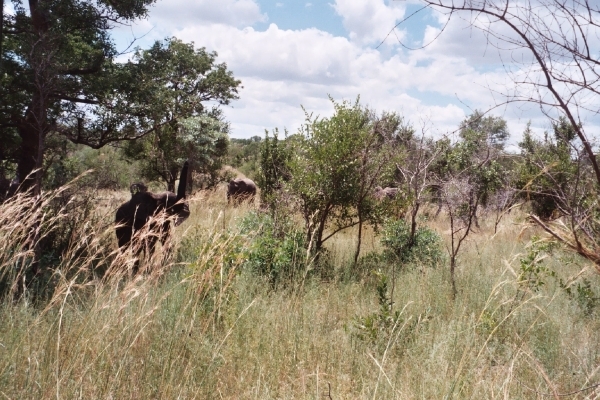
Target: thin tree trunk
(172, 179)
(453, 253)
(319, 238)
(359, 241)
(413, 225)
(452, 278)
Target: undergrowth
(212, 314)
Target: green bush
(277, 248)
(426, 247)
(109, 169)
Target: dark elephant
(134, 214)
(137, 188)
(241, 189)
(389, 193)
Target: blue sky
(290, 54)
(297, 15)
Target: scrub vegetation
(238, 314)
(376, 261)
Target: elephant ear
(182, 181)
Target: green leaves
(337, 162)
(547, 170)
(59, 76)
(426, 247)
(474, 159)
(274, 166)
(327, 156)
(174, 81)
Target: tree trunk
(172, 179)
(319, 236)
(452, 278)
(32, 132)
(413, 225)
(453, 252)
(34, 127)
(28, 157)
(359, 241)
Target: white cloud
(467, 39)
(177, 14)
(307, 56)
(283, 69)
(369, 20)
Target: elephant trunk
(182, 182)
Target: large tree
(178, 80)
(59, 75)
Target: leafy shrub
(533, 270)
(387, 326)
(276, 250)
(109, 169)
(426, 247)
(378, 326)
(534, 273)
(584, 295)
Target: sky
(293, 55)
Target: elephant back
(241, 188)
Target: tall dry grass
(198, 324)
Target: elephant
(241, 189)
(137, 188)
(134, 214)
(389, 193)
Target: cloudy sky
(290, 54)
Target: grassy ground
(209, 328)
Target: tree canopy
(59, 75)
(177, 81)
(335, 164)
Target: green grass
(208, 328)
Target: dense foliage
(426, 248)
(547, 170)
(177, 80)
(59, 75)
(244, 154)
(273, 172)
(336, 163)
(60, 78)
(277, 251)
